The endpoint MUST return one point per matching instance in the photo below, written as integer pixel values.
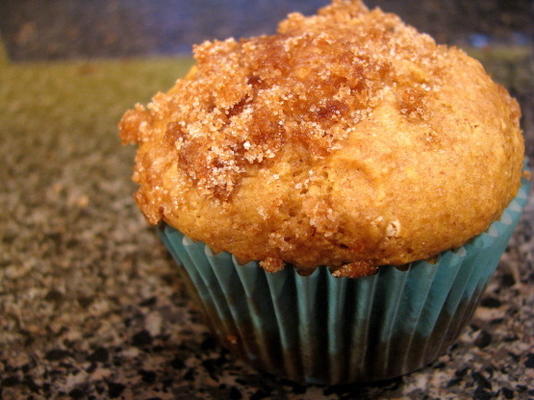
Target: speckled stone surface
(91, 306)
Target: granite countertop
(91, 306)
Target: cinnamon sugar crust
(347, 139)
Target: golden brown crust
(347, 139)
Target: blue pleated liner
(327, 330)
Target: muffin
(338, 193)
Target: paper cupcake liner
(327, 330)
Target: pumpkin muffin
(347, 139)
(345, 142)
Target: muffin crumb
(272, 264)
(393, 229)
(358, 269)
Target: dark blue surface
(34, 29)
(54, 29)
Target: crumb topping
(355, 270)
(272, 264)
(307, 86)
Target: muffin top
(348, 139)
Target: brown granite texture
(91, 306)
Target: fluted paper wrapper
(327, 330)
